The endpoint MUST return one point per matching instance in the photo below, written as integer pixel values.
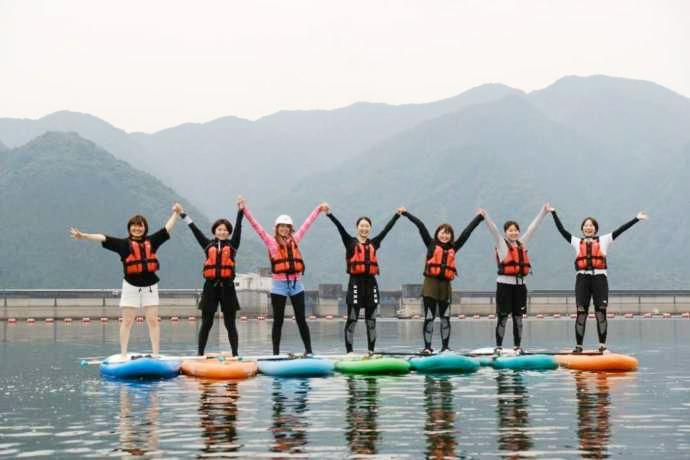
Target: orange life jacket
(589, 256)
(141, 258)
(363, 261)
(441, 264)
(516, 262)
(289, 259)
(222, 267)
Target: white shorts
(134, 296)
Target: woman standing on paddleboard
(219, 273)
(287, 267)
(513, 268)
(362, 266)
(140, 283)
(440, 269)
(591, 281)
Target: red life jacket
(363, 261)
(141, 258)
(516, 262)
(219, 267)
(589, 256)
(441, 263)
(289, 259)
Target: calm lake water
(50, 407)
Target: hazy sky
(147, 65)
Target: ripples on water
(49, 407)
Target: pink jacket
(272, 244)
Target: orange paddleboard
(604, 362)
(215, 369)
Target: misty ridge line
(597, 145)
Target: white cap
(283, 219)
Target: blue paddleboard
(300, 367)
(138, 366)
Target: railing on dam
(328, 300)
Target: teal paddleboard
(444, 362)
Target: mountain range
(601, 146)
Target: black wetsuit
(434, 304)
(219, 290)
(591, 284)
(362, 290)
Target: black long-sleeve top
(234, 240)
(430, 242)
(604, 241)
(614, 234)
(350, 241)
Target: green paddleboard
(373, 366)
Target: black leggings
(433, 308)
(588, 287)
(511, 300)
(369, 320)
(278, 302)
(227, 298)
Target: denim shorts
(287, 288)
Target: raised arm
(309, 221)
(491, 225)
(465, 235)
(423, 232)
(198, 234)
(376, 241)
(267, 239)
(346, 237)
(535, 223)
(640, 216)
(77, 234)
(566, 234)
(237, 232)
(172, 220)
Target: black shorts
(362, 291)
(591, 287)
(511, 299)
(219, 292)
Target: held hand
(75, 233)
(325, 207)
(240, 202)
(401, 210)
(549, 208)
(481, 212)
(177, 208)
(642, 215)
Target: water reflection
(218, 416)
(139, 421)
(513, 417)
(593, 408)
(289, 415)
(439, 426)
(362, 411)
